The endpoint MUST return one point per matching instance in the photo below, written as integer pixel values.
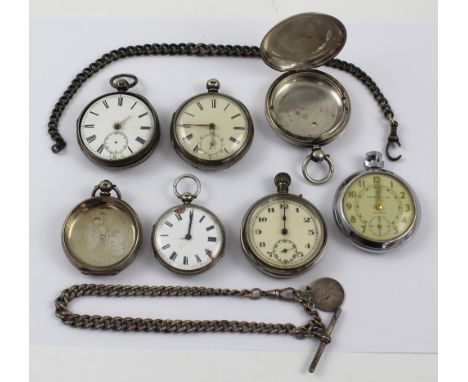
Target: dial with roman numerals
(188, 239)
(212, 130)
(118, 129)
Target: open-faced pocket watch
(119, 129)
(304, 106)
(188, 239)
(376, 209)
(283, 235)
(211, 130)
(101, 235)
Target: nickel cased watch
(376, 209)
(282, 234)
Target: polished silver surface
(186, 197)
(303, 41)
(307, 108)
(373, 165)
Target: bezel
(133, 160)
(205, 164)
(250, 252)
(105, 270)
(158, 256)
(375, 246)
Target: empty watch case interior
(304, 106)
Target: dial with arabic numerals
(375, 208)
(282, 234)
(188, 239)
(212, 130)
(118, 129)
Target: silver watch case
(211, 165)
(157, 255)
(134, 160)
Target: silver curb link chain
(212, 50)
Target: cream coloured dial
(379, 207)
(212, 127)
(285, 232)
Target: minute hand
(195, 124)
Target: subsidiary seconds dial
(376, 209)
(212, 130)
(118, 129)
(283, 235)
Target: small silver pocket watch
(304, 106)
(119, 129)
(211, 130)
(375, 208)
(283, 235)
(188, 238)
(101, 235)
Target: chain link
(191, 49)
(313, 328)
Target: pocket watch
(211, 130)
(101, 235)
(188, 239)
(283, 235)
(305, 106)
(376, 209)
(119, 129)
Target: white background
(398, 289)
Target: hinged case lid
(303, 41)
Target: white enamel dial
(188, 239)
(212, 127)
(117, 126)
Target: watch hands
(284, 231)
(195, 124)
(379, 205)
(210, 125)
(119, 125)
(189, 236)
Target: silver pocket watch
(304, 106)
(212, 130)
(282, 234)
(188, 238)
(375, 208)
(102, 234)
(118, 129)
